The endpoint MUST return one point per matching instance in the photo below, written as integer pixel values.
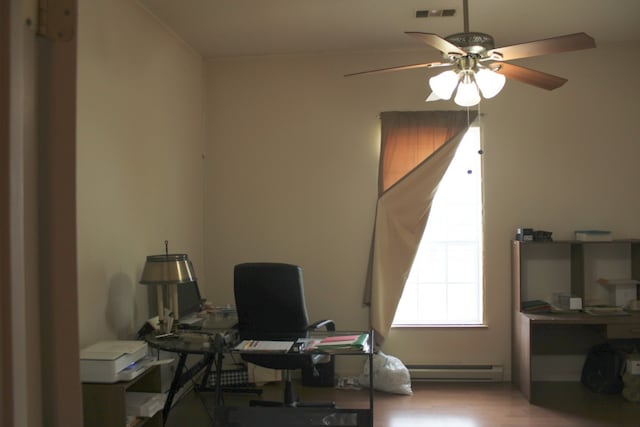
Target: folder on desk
(357, 342)
(264, 346)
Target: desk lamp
(169, 271)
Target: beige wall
(291, 167)
(139, 161)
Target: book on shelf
(264, 346)
(593, 235)
(535, 307)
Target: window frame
(477, 243)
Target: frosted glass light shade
(432, 97)
(467, 95)
(489, 82)
(444, 84)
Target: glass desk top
(217, 330)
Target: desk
(541, 268)
(561, 334)
(216, 336)
(212, 350)
(305, 415)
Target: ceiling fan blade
(529, 76)
(558, 44)
(437, 42)
(400, 68)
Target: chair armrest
(329, 324)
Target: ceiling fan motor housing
(472, 43)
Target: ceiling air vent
(426, 13)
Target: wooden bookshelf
(105, 404)
(570, 333)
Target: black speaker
(320, 375)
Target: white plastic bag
(389, 374)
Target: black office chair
(271, 306)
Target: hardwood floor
(435, 404)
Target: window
(445, 283)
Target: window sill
(446, 326)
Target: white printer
(113, 361)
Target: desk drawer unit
(623, 330)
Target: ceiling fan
(477, 66)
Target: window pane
(430, 299)
(431, 265)
(461, 263)
(461, 306)
(407, 311)
(445, 282)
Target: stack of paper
(606, 311)
(142, 404)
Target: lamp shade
(467, 94)
(444, 84)
(489, 82)
(167, 269)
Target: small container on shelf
(593, 235)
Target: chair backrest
(270, 301)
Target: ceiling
(218, 28)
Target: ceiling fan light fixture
(444, 84)
(467, 94)
(489, 82)
(471, 54)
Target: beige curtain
(416, 149)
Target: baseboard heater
(486, 373)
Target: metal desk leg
(219, 399)
(175, 386)
(217, 358)
(371, 392)
(180, 379)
